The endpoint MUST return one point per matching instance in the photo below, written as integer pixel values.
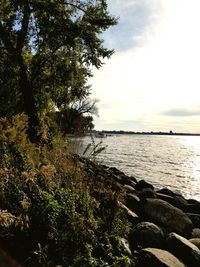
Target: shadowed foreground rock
(146, 234)
(184, 249)
(153, 257)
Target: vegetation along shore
(71, 211)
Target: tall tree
(46, 50)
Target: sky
(152, 82)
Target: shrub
(49, 208)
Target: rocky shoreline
(165, 227)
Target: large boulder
(146, 234)
(195, 241)
(153, 257)
(175, 201)
(184, 249)
(169, 216)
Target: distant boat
(100, 135)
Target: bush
(50, 211)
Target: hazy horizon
(152, 81)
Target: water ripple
(165, 161)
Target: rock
(127, 180)
(118, 179)
(172, 200)
(116, 171)
(132, 216)
(195, 241)
(129, 189)
(130, 183)
(153, 257)
(184, 249)
(195, 218)
(125, 247)
(132, 202)
(192, 208)
(193, 201)
(195, 233)
(143, 184)
(169, 216)
(146, 234)
(166, 191)
(147, 193)
(133, 179)
(181, 199)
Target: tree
(86, 106)
(77, 117)
(46, 50)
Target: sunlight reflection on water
(166, 161)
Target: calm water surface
(165, 161)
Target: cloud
(182, 112)
(134, 17)
(155, 81)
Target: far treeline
(107, 132)
(47, 49)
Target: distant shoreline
(145, 133)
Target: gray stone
(132, 202)
(147, 193)
(153, 257)
(181, 200)
(125, 247)
(132, 216)
(143, 184)
(195, 233)
(195, 218)
(169, 216)
(166, 191)
(192, 208)
(129, 189)
(172, 200)
(195, 241)
(132, 183)
(184, 249)
(132, 178)
(193, 201)
(146, 234)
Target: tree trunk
(29, 102)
